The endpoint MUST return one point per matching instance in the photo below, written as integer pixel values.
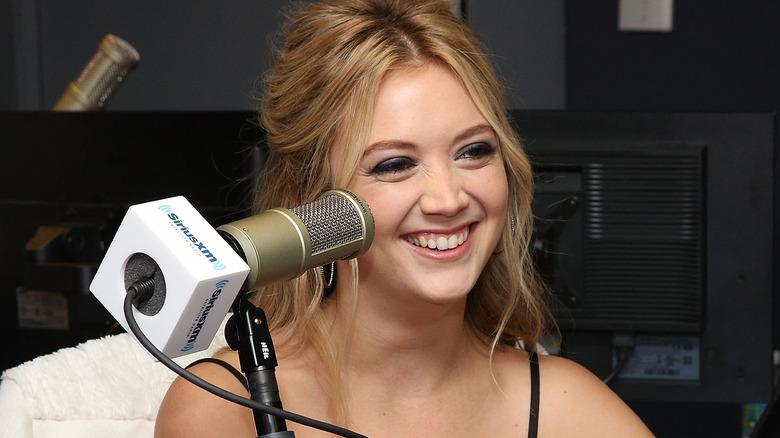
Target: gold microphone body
(103, 74)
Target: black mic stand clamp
(247, 332)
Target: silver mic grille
(331, 220)
(280, 244)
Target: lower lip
(446, 255)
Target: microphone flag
(197, 274)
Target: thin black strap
(225, 365)
(533, 416)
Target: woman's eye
(477, 150)
(393, 166)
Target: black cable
(216, 390)
(624, 342)
(623, 356)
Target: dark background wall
(721, 56)
(202, 55)
(198, 55)
(206, 55)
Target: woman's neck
(385, 337)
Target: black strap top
(533, 415)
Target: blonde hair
(321, 92)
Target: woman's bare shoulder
(574, 402)
(189, 411)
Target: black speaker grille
(642, 246)
(630, 254)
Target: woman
(394, 100)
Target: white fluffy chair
(107, 387)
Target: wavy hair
(321, 93)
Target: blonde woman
(395, 100)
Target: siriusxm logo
(204, 314)
(197, 244)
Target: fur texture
(102, 380)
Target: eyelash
(477, 151)
(396, 165)
(393, 165)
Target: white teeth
(440, 243)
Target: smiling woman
(432, 172)
(394, 99)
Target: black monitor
(656, 232)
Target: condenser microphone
(281, 244)
(104, 73)
(197, 271)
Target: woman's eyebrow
(474, 130)
(388, 144)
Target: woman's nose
(443, 194)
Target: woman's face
(434, 178)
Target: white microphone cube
(202, 274)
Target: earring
(328, 274)
(512, 231)
(512, 223)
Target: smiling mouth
(441, 242)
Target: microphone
(103, 74)
(338, 225)
(198, 271)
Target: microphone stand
(247, 332)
